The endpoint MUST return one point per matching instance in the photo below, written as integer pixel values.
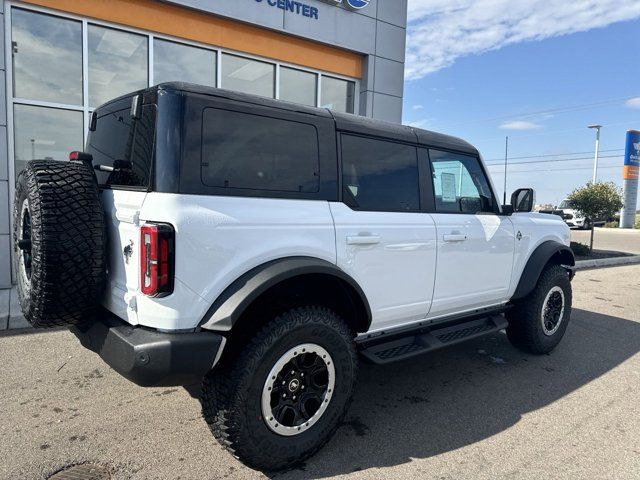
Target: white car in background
(573, 218)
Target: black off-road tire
(231, 395)
(525, 330)
(67, 243)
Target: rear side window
(245, 151)
(378, 175)
(460, 184)
(122, 148)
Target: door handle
(363, 240)
(454, 237)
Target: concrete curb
(607, 262)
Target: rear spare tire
(59, 243)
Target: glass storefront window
(298, 86)
(117, 63)
(175, 62)
(248, 76)
(47, 57)
(48, 70)
(338, 94)
(41, 132)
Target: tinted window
(460, 184)
(379, 175)
(123, 147)
(240, 150)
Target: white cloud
(417, 107)
(440, 31)
(424, 123)
(633, 102)
(520, 125)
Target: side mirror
(523, 200)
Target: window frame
(483, 169)
(425, 190)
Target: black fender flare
(540, 257)
(237, 297)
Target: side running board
(427, 339)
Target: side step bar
(428, 339)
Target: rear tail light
(157, 259)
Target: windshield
(565, 204)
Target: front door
(475, 245)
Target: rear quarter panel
(220, 238)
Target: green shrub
(613, 224)
(637, 225)
(579, 249)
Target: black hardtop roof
(344, 121)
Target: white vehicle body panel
(217, 240)
(392, 256)
(122, 212)
(402, 262)
(475, 258)
(535, 228)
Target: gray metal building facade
(376, 32)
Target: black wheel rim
(298, 389)
(553, 311)
(24, 243)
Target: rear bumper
(150, 358)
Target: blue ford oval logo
(358, 3)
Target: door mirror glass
(523, 200)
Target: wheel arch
(549, 252)
(284, 277)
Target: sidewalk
(11, 317)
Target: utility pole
(595, 160)
(506, 156)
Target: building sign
(306, 10)
(357, 4)
(630, 179)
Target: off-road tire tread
(225, 388)
(523, 318)
(68, 242)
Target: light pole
(595, 161)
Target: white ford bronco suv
(259, 248)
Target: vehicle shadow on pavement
(458, 396)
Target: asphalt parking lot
(481, 410)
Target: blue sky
(539, 72)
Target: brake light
(157, 258)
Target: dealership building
(62, 58)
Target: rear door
(122, 149)
(383, 239)
(475, 245)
